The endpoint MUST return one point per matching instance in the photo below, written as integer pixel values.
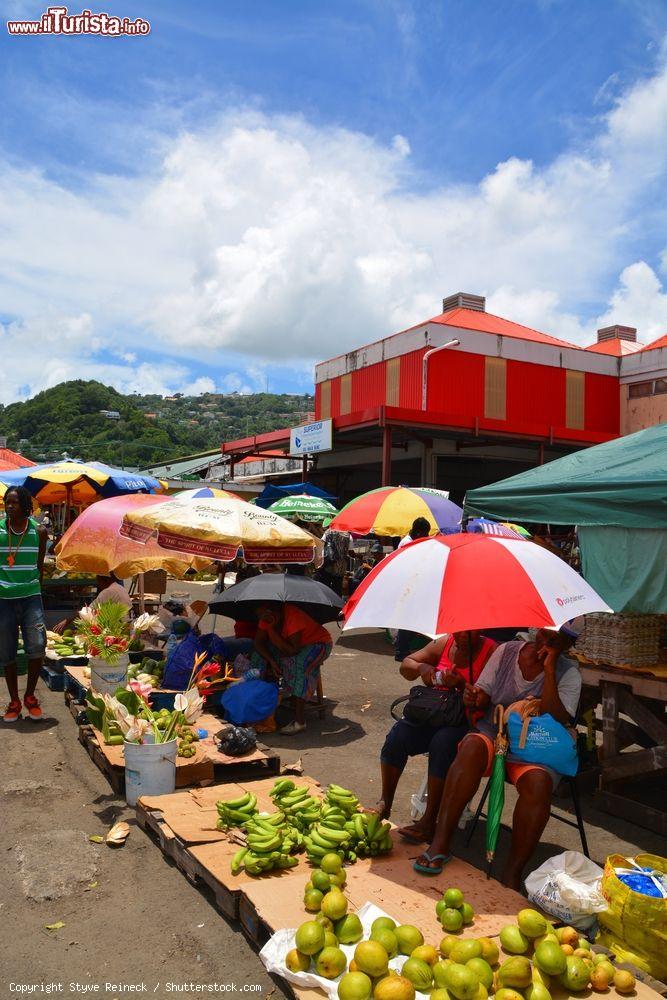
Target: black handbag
(436, 707)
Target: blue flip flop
(423, 870)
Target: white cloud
(639, 301)
(199, 386)
(271, 238)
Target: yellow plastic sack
(634, 926)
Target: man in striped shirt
(22, 549)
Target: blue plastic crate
(162, 699)
(53, 680)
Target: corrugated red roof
(12, 460)
(615, 347)
(660, 342)
(265, 454)
(472, 319)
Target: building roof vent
(617, 332)
(464, 300)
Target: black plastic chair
(578, 824)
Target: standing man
(22, 550)
(336, 549)
(404, 639)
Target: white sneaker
(293, 728)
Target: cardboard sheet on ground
(392, 884)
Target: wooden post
(386, 456)
(304, 468)
(610, 693)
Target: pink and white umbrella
(450, 583)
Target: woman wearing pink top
(449, 662)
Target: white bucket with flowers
(150, 745)
(105, 633)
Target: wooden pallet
(207, 766)
(183, 826)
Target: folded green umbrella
(497, 789)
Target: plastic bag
(179, 664)
(276, 948)
(249, 701)
(568, 887)
(634, 926)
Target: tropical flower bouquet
(106, 633)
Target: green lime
(453, 898)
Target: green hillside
(149, 430)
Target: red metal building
(461, 399)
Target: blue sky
(257, 185)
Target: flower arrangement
(105, 632)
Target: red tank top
(445, 664)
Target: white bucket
(106, 677)
(150, 769)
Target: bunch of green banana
(329, 836)
(300, 807)
(370, 836)
(268, 843)
(342, 799)
(236, 812)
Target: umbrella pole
(142, 593)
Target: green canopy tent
(616, 494)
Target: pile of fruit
(236, 812)
(65, 644)
(149, 671)
(335, 824)
(453, 912)
(187, 737)
(541, 958)
(269, 838)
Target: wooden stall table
(633, 714)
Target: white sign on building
(311, 438)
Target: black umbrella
(240, 601)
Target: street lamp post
(425, 361)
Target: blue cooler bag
(547, 742)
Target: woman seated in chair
(448, 662)
(516, 671)
(293, 647)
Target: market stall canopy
(621, 482)
(219, 528)
(271, 493)
(78, 483)
(241, 601)
(93, 543)
(391, 510)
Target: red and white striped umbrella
(450, 583)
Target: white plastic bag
(568, 887)
(276, 948)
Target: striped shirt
(21, 579)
